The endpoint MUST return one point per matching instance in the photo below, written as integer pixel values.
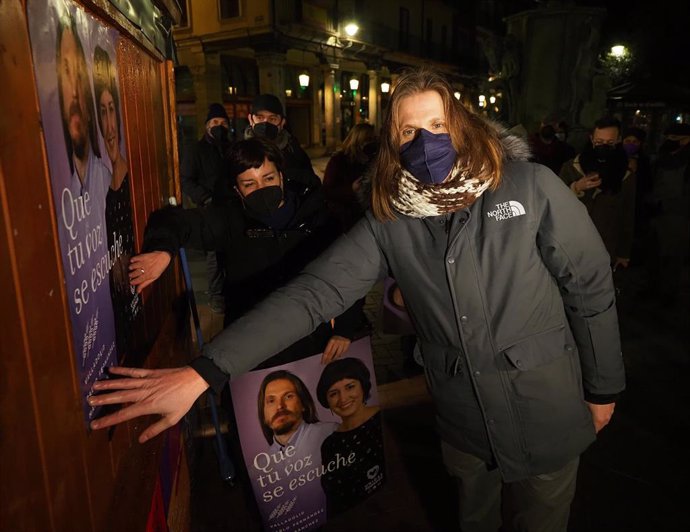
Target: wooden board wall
(55, 475)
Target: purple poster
(311, 437)
(76, 78)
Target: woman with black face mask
(272, 230)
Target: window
(184, 18)
(404, 31)
(229, 8)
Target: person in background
(345, 387)
(639, 164)
(471, 231)
(203, 177)
(670, 218)
(267, 120)
(344, 172)
(600, 178)
(549, 146)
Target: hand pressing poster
(311, 437)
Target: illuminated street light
(457, 95)
(351, 29)
(482, 100)
(354, 84)
(619, 51)
(385, 87)
(304, 80)
(492, 99)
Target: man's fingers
(154, 430)
(122, 415)
(135, 373)
(116, 384)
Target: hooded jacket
(513, 303)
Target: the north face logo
(508, 209)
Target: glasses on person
(600, 142)
(267, 117)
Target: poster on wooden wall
(311, 437)
(79, 96)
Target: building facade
(300, 50)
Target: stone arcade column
(206, 73)
(331, 112)
(373, 97)
(272, 74)
(316, 118)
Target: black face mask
(264, 202)
(604, 151)
(370, 149)
(610, 162)
(266, 129)
(219, 134)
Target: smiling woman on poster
(118, 201)
(344, 388)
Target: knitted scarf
(419, 200)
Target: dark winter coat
(513, 304)
(613, 213)
(258, 259)
(203, 170)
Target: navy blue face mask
(429, 157)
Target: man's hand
(169, 393)
(601, 414)
(144, 269)
(585, 183)
(336, 347)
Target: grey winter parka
(513, 304)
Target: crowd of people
(457, 211)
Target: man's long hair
(478, 146)
(309, 415)
(66, 23)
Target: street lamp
(619, 51)
(354, 84)
(351, 29)
(385, 87)
(303, 80)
